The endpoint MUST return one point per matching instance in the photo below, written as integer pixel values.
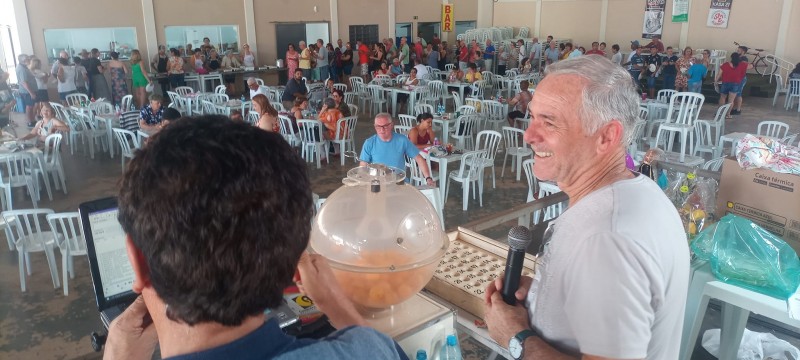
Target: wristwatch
(428, 178)
(516, 346)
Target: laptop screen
(116, 274)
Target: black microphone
(518, 239)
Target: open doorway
(402, 30)
(427, 29)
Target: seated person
(338, 98)
(519, 102)
(477, 59)
(329, 115)
(455, 75)
(151, 115)
(384, 70)
(7, 103)
(267, 115)
(422, 135)
(256, 89)
(397, 68)
(473, 74)
(422, 70)
(247, 218)
(48, 125)
(295, 88)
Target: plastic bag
(744, 254)
(755, 346)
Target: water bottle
(436, 141)
(422, 355)
(242, 98)
(116, 107)
(451, 350)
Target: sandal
(728, 117)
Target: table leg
(189, 106)
(446, 132)
(461, 92)
(412, 101)
(110, 135)
(394, 103)
(443, 178)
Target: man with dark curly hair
(217, 216)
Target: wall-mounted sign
(680, 11)
(653, 18)
(719, 13)
(448, 20)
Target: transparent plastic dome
(382, 240)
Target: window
(463, 26)
(121, 40)
(223, 37)
(366, 33)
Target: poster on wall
(653, 18)
(448, 20)
(680, 11)
(719, 13)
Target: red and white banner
(719, 13)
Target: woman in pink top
(292, 59)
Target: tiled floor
(44, 324)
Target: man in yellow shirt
(305, 60)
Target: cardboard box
(769, 199)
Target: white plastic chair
(52, 165)
(378, 98)
(495, 115)
(350, 98)
(636, 136)
(314, 145)
(464, 130)
(278, 106)
(553, 211)
(719, 123)
(533, 182)
(438, 91)
(781, 88)
(102, 107)
(66, 228)
(286, 127)
(488, 140)
(220, 89)
(184, 90)
(714, 164)
(663, 96)
(793, 94)
(177, 102)
(402, 129)
(423, 108)
(252, 118)
(217, 99)
(702, 132)
(516, 148)
(775, 129)
(789, 139)
(77, 99)
(353, 110)
(18, 171)
(346, 141)
(449, 67)
(128, 142)
(415, 174)
(342, 87)
(684, 107)
(28, 234)
(478, 88)
(407, 120)
(469, 174)
(457, 101)
(95, 131)
(126, 103)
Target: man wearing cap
(635, 62)
(27, 86)
(653, 63)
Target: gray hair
(251, 80)
(386, 116)
(609, 95)
(330, 103)
(301, 42)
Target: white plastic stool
(737, 303)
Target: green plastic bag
(744, 254)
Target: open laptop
(112, 274)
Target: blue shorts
(27, 100)
(741, 87)
(729, 88)
(651, 82)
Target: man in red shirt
(596, 50)
(656, 41)
(363, 59)
(463, 55)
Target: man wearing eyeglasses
(388, 148)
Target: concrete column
(23, 27)
(150, 37)
(392, 20)
(783, 28)
(538, 27)
(684, 39)
(250, 26)
(603, 20)
(485, 13)
(334, 21)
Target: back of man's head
(220, 212)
